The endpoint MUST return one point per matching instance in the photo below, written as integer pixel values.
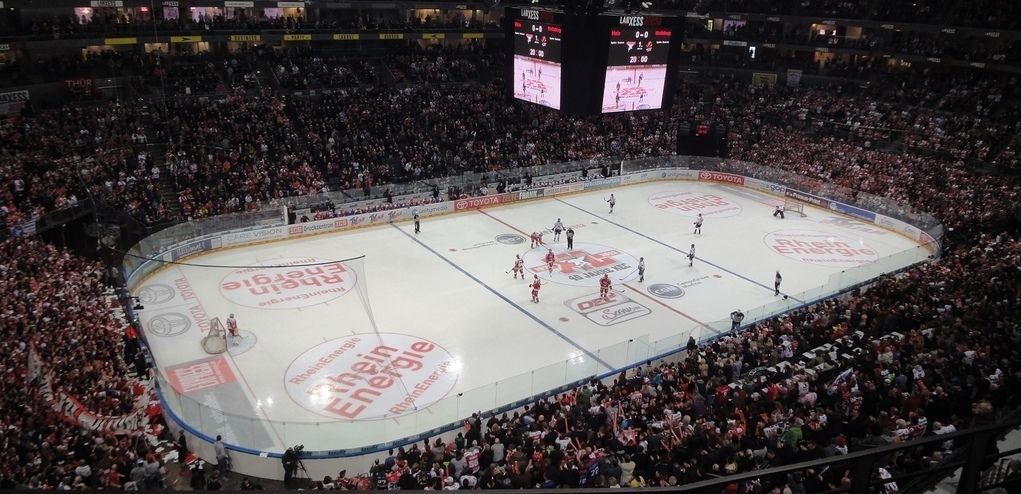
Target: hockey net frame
(215, 340)
(794, 206)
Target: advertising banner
(853, 211)
(260, 235)
(480, 202)
(562, 189)
(603, 183)
(726, 178)
(433, 209)
(806, 197)
(763, 186)
(193, 248)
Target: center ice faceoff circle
(288, 283)
(371, 376)
(824, 249)
(691, 203)
(583, 265)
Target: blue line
(640, 234)
(505, 299)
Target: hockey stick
(628, 274)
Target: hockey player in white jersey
(558, 227)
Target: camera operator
(290, 461)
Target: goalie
(232, 329)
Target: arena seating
(60, 307)
(938, 344)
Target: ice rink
(537, 81)
(634, 88)
(428, 328)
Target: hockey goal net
(794, 206)
(216, 340)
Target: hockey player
(519, 267)
(557, 228)
(778, 211)
(776, 283)
(612, 200)
(536, 285)
(641, 269)
(691, 256)
(232, 328)
(550, 259)
(698, 224)
(536, 239)
(418, 225)
(570, 238)
(604, 286)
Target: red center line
(660, 302)
(508, 225)
(682, 314)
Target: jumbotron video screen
(537, 48)
(636, 69)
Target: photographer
(290, 461)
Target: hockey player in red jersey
(536, 285)
(519, 267)
(550, 259)
(232, 328)
(535, 239)
(604, 286)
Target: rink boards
(491, 346)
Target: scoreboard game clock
(537, 62)
(591, 64)
(636, 69)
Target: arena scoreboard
(537, 49)
(636, 69)
(592, 64)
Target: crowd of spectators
(226, 156)
(306, 69)
(352, 139)
(953, 46)
(111, 21)
(963, 118)
(182, 74)
(59, 307)
(938, 344)
(438, 64)
(983, 13)
(55, 158)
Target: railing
(252, 433)
(975, 445)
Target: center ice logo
(583, 265)
(289, 284)
(371, 376)
(824, 249)
(614, 308)
(691, 203)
